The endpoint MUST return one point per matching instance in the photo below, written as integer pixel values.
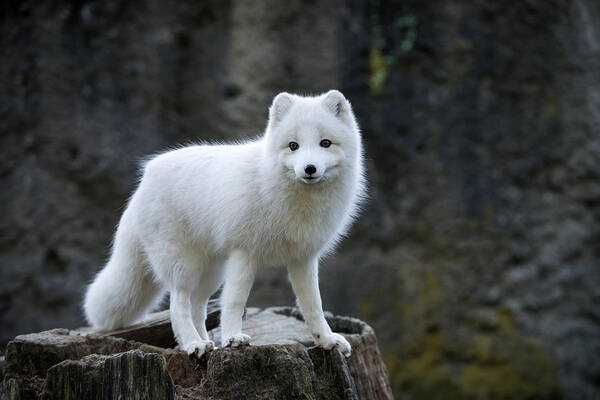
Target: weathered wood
(130, 375)
(156, 328)
(366, 365)
(281, 363)
(335, 378)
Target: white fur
(212, 213)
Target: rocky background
(477, 258)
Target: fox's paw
(198, 348)
(237, 340)
(331, 340)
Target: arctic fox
(207, 214)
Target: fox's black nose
(310, 169)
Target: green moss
(423, 230)
(433, 361)
(380, 62)
(551, 106)
(366, 308)
(510, 367)
(378, 70)
(488, 212)
(505, 320)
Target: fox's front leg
(240, 270)
(305, 281)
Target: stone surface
(476, 257)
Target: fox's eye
(325, 143)
(293, 146)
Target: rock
(282, 362)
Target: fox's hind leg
(179, 269)
(210, 280)
(183, 326)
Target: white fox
(207, 214)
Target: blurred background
(477, 257)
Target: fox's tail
(124, 291)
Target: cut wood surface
(156, 328)
(282, 362)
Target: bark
(129, 375)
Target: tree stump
(139, 362)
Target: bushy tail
(124, 291)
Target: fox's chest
(281, 249)
(295, 233)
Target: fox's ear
(280, 107)
(336, 103)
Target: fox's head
(313, 139)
